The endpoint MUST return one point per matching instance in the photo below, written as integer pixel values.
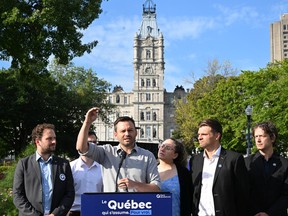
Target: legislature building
(149, 104)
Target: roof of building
(149, 25)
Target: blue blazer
(27, 187)
(230, 184)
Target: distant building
(148, 104)
(279, 39)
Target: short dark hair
(214, 124)
(92, 133)
(269, 128)
(37, 132)
(123, 119)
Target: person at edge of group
(219, 176)
(43, 183)
(139, 168)
(268, 172)
(87, 176)
(175, 177)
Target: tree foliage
(28, 98)
(33, 30)
(265, 90)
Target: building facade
(148, 104)
(279, 39)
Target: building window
(141, 133)
(148, 116)
(154, 133)
(284, 27)
(148, 97)
(148, 132)
(142, 82)
(148, 83)
(148, 54)
(154, 83)
(125, 100)
(117, 99)
(154, 116)
(142, 116)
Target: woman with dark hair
(175, 177)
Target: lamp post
(248, 112)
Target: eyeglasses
(166, 147)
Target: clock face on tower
(148, 70)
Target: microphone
(122, 155)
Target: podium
(127, 203)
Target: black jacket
(269, 190)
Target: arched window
(148, 54)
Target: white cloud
(112, 59)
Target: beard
(49, 150)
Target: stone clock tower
(151, 107)
(148, 89)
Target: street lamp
(248, 112)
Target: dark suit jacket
(27, 187)
(186, 191)
(230, 186)
(269, 193)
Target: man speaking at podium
(126, 167)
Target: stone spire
(149, 25)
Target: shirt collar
(38, 156)
(82, 163)
(135, 149)
(216, 153)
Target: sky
(195, 32)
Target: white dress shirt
(86, 179)
(206, 204)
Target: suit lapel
(54, 169)
(220, 164)
(36, 167)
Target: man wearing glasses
(87, 177)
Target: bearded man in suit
(43, 183)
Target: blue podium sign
(131, 203)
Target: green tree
(33, 30)
(265, 90)
(29, 98)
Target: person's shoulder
(143, 151)
(74, 161)
(59, 159)
(27, 158)
(231, 153)
(284, 160)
